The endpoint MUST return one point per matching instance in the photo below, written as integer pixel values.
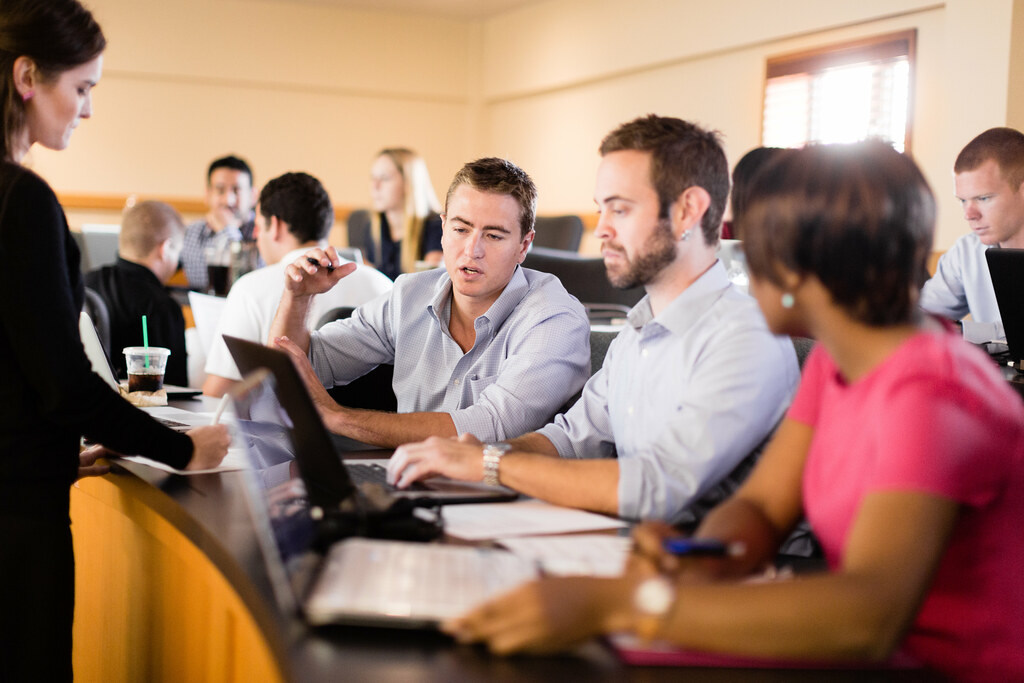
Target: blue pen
(701, 547)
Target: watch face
(654, 596)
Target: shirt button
(629, 410)
(644, 353)
(456, 382)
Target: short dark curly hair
(859, 217)
(301, 201)
(683, 155)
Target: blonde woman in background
(405, 225)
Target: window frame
(866, 49)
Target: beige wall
(309, 86)
(290, 86)
(591, 64)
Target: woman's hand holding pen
(658, 547)
(209, 446)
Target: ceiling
(456, 9)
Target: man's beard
(659, 251)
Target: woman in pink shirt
(904, 448)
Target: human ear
(688, 209)
(26, 76)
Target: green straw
(145, 338)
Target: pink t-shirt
(934, 417)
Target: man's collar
(498, 312)
(685, 309)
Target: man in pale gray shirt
(482, 346)
(690, 387)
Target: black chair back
(558, 232)
(97, 310)
(582, 277)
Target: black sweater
(49, 395)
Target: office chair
(558, 232)
(96, 307)
(586, 280)
(358, 226)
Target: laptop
(357, 581)
(316, 452)
(101, 366)
(1006, 267)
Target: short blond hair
(146, 226)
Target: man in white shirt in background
(990, 186)
(690, 387)
(293, 215)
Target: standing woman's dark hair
(50, 59)
(56, 35)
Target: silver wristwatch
(492, 459)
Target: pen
(220, 408)
(310, 259)
(702, 547)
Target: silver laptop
(352, 580)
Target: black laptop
(1006, 267)
(315, 454)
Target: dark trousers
(37, 598)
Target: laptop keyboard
(429, 582)
(375, 474)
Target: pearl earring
(788, 300)
(686, 236)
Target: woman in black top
(405, 226)
(50, 58)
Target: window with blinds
(842, 93)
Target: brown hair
(500, 176)
(1005, 146)
(858, 217)
(683, 155)
(56, 35)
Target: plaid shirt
(199, 236)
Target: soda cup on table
(146, 366)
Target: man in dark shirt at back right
(148, 249)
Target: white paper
(522, 518)
(236, 459)
(574, 555)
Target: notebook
(1006, 267)
(317, 454)
(359, 581)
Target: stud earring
(788, 300)
(686, 236)
(28, 96)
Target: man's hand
(325, 405)
(209, 446)
(315, 272)
(223, 217)
(461, 458)
(87, 466)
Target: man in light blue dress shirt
(691, 386)
(482, 346)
